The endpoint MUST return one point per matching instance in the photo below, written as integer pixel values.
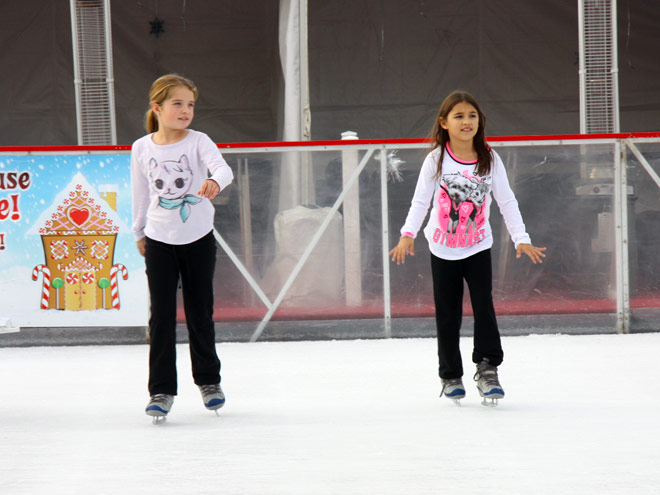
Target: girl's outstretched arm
(534, 253)
(406, 246)
(209, 189)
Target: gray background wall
(378, 67)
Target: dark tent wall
(394, 62)
(380, 68)
(230, 50)
(639, 64)
(36, 74)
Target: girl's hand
(534, 253)
(406, 246)
(142, 245)
(209, 189)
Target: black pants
(194, 264)
(448, 295)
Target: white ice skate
(213, 397)
(453, 389)
(488, 384)
(158, 407)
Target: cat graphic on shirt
(172, 180)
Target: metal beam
(310, 247)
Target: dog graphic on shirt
(461, 203)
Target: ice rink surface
(581, 416)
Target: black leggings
(448, 278)
(194, 263)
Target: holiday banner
(67, 254)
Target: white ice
(581, 416)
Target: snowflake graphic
(80, 248)
(157, 27)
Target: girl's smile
(462, 123)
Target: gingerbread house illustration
(78, 233)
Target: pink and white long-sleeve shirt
(165, 180)
(458, 225)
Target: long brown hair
(160, 91)
(440, 137)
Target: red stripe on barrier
(415, 310)
(352, 142)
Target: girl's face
(176, 113)
(462, 123)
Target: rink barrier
(621, 141)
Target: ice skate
(212, 396)
(158, 407)
(453, 389)
(488, 384)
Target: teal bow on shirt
(182, 203)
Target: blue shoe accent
(156, 409)
(214, 403)
(456, 392)
(496, 391)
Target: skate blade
(489, 402)
(159, 420)
(456, 400)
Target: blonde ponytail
(151, 121)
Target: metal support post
(386, 242)
(110, 77)
(621, 240)
(352, 246)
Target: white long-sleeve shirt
(165, 180)
(459, 225)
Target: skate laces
(209, 389)
(487, 374)
(159, 404)
(161, 399)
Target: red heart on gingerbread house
(78, 214)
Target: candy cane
(114, 292)
(45, 292)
